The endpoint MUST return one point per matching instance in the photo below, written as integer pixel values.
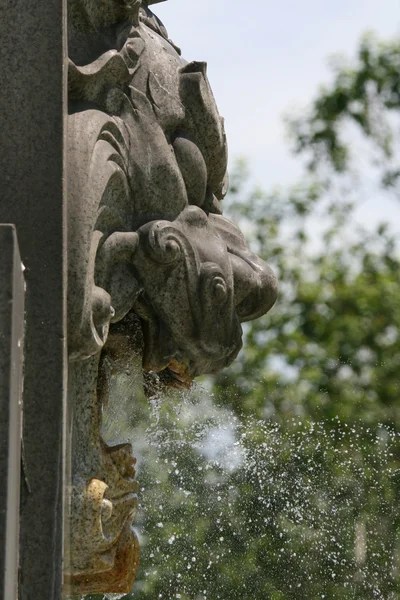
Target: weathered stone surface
(11, 362)
(103, 552)
(32, 182)
(147, 173)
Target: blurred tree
(364, 93)
(303, 499)
(293, 511)
(331, 345)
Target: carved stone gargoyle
(147, 163)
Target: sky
(267, 58)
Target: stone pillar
(32, 175)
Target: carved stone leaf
(132, 50)
(167, 105)
(204, 121)
(92, 81)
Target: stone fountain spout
(147, 163)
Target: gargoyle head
(196, 290)
(195, 282)
(187, 273)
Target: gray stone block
(11, 359)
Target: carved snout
(255, 284)
(255, 287)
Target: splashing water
(240, 508)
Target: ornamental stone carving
(148, 248)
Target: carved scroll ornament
(147, 172)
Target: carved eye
(165, 242)
(218, 290)
(214, 288)
(172, 249)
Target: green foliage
(296, 510)
(331, 344)
(309, 507)
(365, 93)
(302, 500)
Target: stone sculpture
(148, 246)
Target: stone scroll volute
(147, 162)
